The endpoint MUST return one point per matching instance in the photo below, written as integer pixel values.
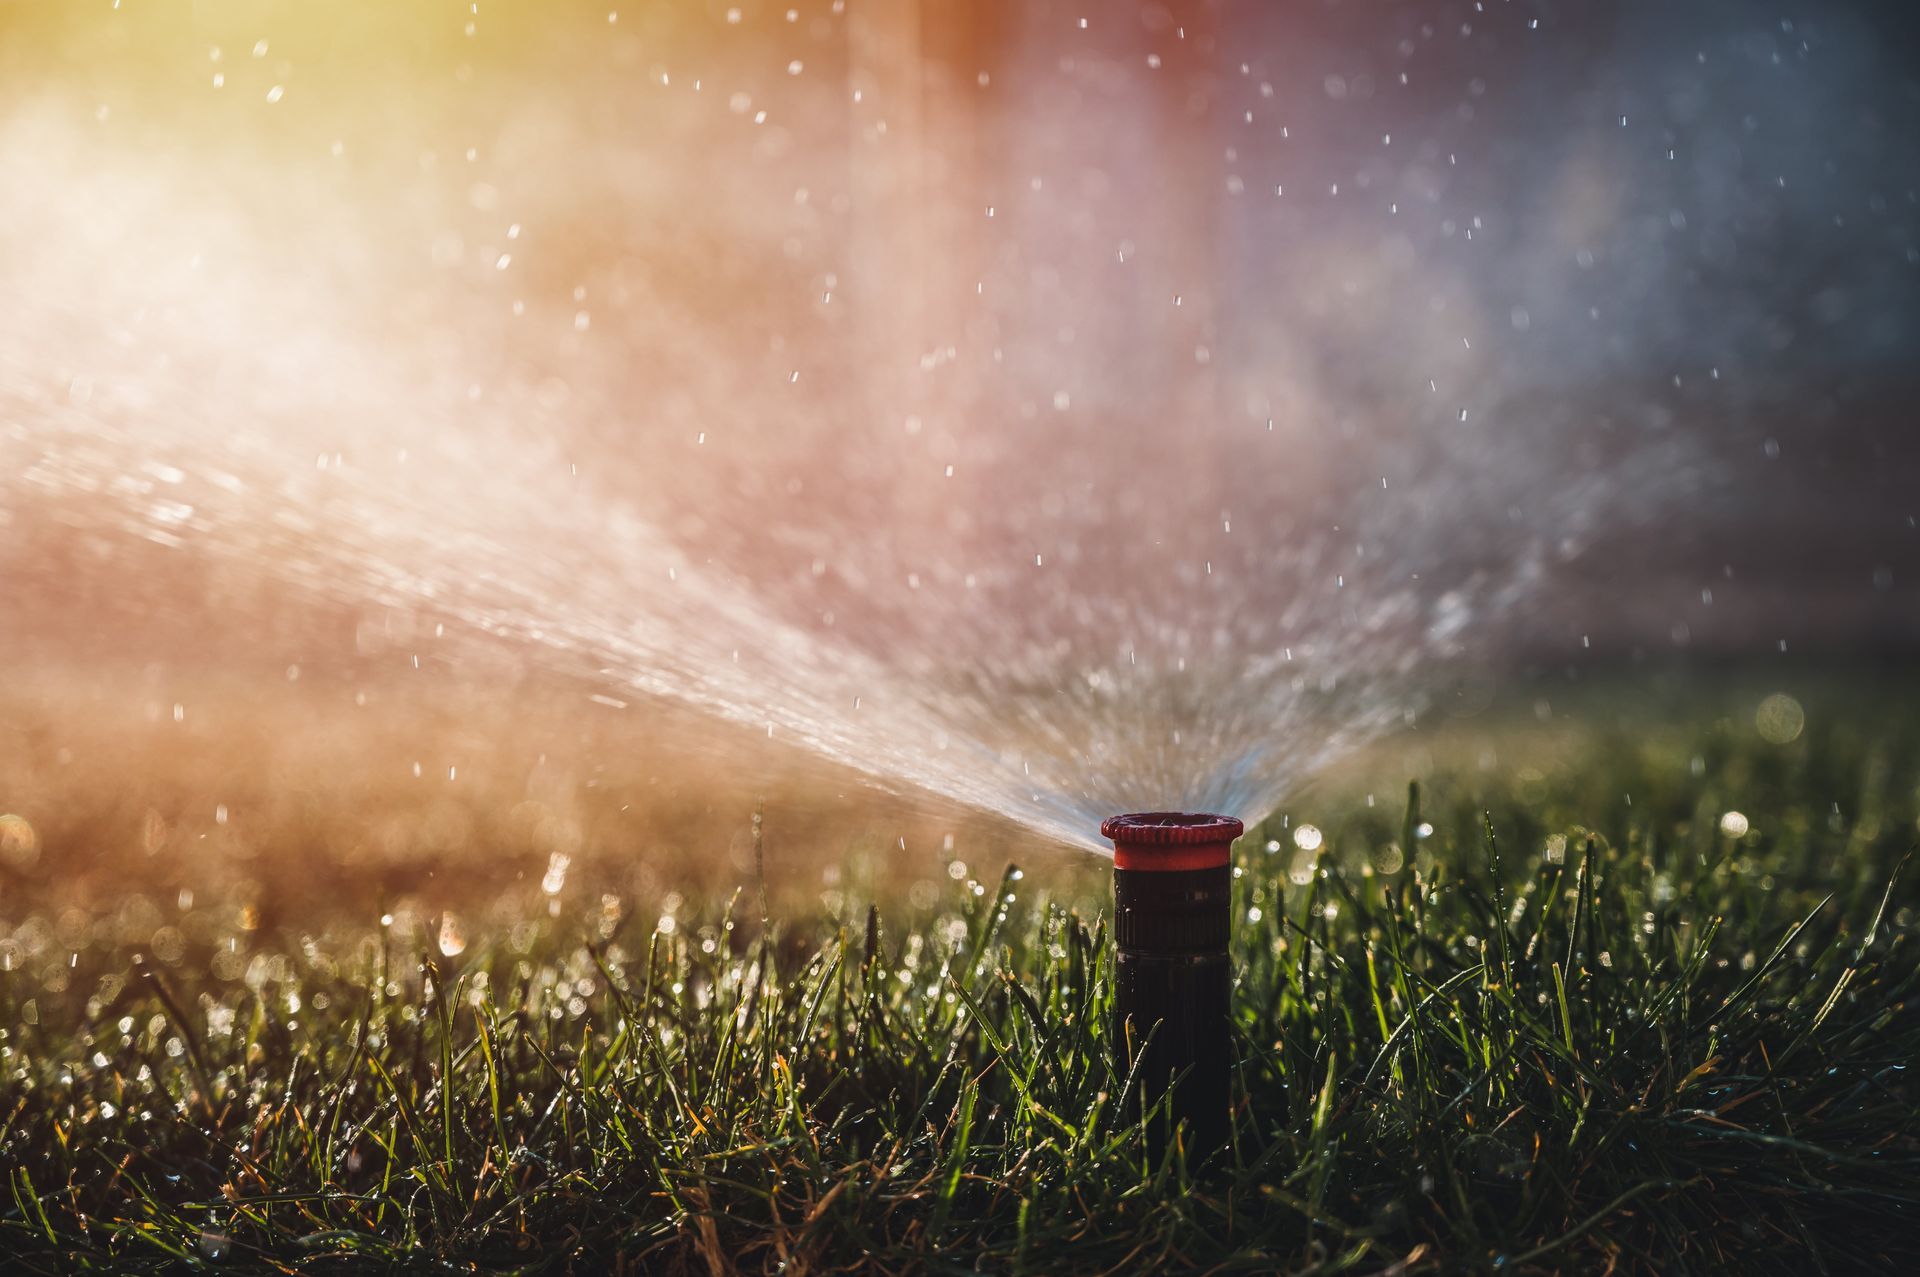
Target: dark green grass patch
(1601, 1029)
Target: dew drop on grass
(1734, 825)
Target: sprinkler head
(1172, 890)
(1161, 841)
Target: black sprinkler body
(1172, 888)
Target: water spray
(1172, 883)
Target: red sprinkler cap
(1171, 840)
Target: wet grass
(1578, 1022)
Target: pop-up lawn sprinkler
(1172, 881)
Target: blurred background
(410, 415)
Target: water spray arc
(1172, 888)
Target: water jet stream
(1082, 512)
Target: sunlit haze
(1055, 410)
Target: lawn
(1648, 1007)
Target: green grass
(1591, 1032)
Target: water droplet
(1780, 719)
